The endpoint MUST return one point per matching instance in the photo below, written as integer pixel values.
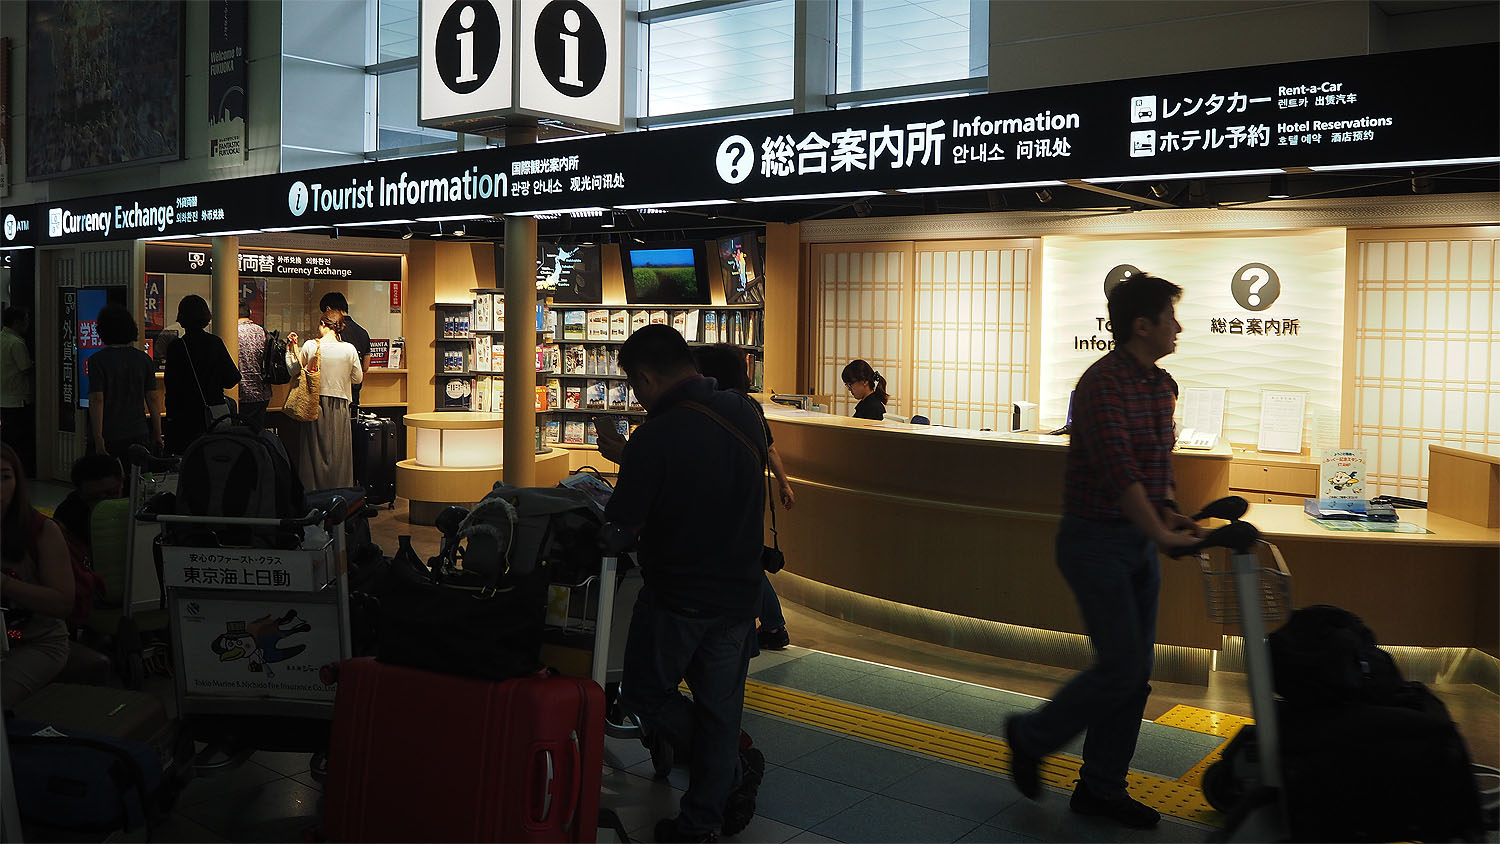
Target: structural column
(519, 436)
(226, 295)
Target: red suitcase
(421, 756)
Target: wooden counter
(958, 521)
(1436, 589)
(963, 522)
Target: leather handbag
(302, 400)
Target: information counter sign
(1397, 109)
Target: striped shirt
(1121, 434)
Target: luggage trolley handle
(314, 516)
(1241, 539)
(142, 458)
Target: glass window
(396, 113)
(398, 29)
(732, 57)
(889, 43)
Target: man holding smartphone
(690, 488)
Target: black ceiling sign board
(269, 263)
(1419, 108)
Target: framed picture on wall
(103, 85)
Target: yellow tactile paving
(1220, 724)
(1182, 798)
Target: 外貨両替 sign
(197, 260)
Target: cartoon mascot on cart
(259, 641)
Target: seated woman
(36, 589)
(868, 388)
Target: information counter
(947, 535)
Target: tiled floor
(820, 785)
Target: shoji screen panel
(1426, 350)
(971, 332)
(861, 297)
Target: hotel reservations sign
(1397, 109)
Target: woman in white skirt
(325, 455)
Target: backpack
(274, 367)
(88, 587)
(1326, 656)
(235, 471)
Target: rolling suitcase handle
(546, 790)
(575, 782)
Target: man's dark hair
(244, 310)
(92, 467)
(1141, 295)
(12, 316)
(334, 300)
(725, 364)
(193, 313)
(657, 348)
(116, 325)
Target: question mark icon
(1261, 280)
(735, 159)
(1255, 286)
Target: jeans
(713, 654)
(1115, 576)
(770, 606)
(253, 413)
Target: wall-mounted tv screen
(665, 274)
(744, 274)
(569, 273)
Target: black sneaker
(668, 830)
(1124, 810)
(752, 769)
(775, 639)
(1023, 767)
(663, 757)
(739, 809)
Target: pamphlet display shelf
(452, 388)
(590, 383)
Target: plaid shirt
(1121, 434)
(253, 384)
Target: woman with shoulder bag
(198, 371)
(325, 448)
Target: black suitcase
(375, 458)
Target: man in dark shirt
(335, 309)
(1117, 512)
(95, 477)
(692, 485)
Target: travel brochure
(740, 327)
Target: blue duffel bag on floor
(68, 779)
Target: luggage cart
(149, 475)
(1255, 588)
(257, 632)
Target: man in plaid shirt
(1117, 512)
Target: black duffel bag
(484, 620)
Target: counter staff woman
(868, 388)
